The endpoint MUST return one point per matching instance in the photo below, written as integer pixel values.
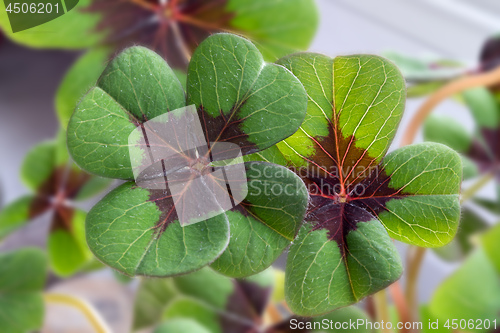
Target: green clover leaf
(480, 151)
(276, 27)
(240, 100)
(230, 305)
(22, 278)
(360, 199)
(57, 184)
(471, 293)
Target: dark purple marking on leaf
(165, 203)
(245, 308)
(490, 54)
(172, 28)
(226, 128)
(63, 185)
(285, 327)
(346, 186)
(486, 151)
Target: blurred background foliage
(205, 301)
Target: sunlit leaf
(359, 199)
(15, 215)
(448, 131)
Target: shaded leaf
(472, 292)
(77, 81)
(252, 104)
(490, 53)
(317, 266)
(228, 305)
(181, 325)
(22, 277)
(136, 86)
(174, 29)
(153, 295)
(73, 30)
(483, 106)
(325, 323)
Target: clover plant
(57, 185)
(477, 304)
(230, 305)
(22, 278)
(172, 28)
(480, 151)
(241, 100)
(358, 199)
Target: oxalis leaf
(230, 305)
(56, 184)
(174, 28)
(359, 199)
(241, 102)
(22, 277)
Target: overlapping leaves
(472, 293)
(173, 29)
(481, 150)
(229, 306)
(240, 100)
(56, 184)
(358, 197)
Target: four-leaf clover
(360, 199)
(240, 100)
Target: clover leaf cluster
(328, 122)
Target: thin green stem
(382, 309)
(471, 191)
